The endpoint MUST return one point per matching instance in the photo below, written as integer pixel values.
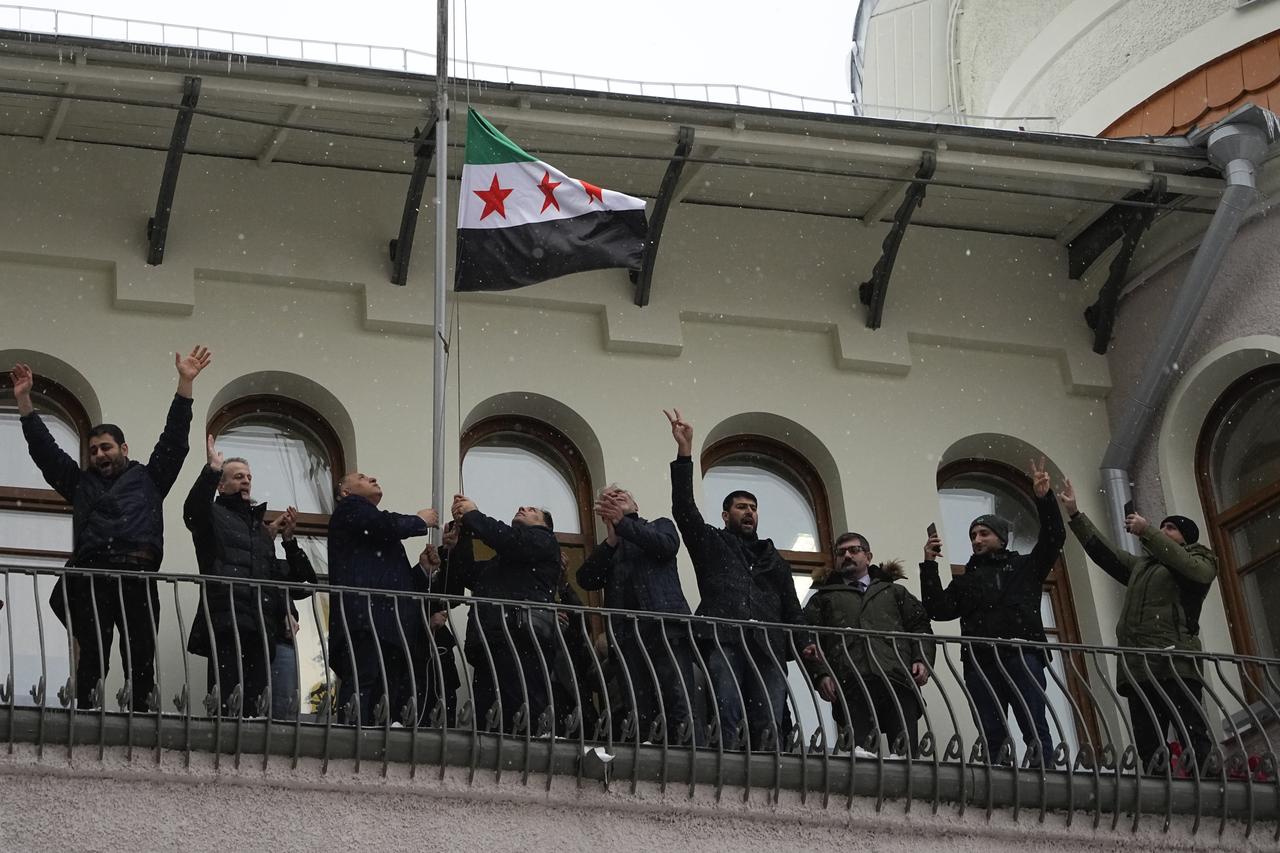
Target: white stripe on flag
(527, 202)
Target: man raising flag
(521, 221)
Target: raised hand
(430, 516)
(681, 431)
(1067, 497)
(451, 532)
(429, 559)
(1135, 523)
(932, 549)
(1040, 478)
(189, 368)
(609, 509)
(215, 457)
(461, 506)
(22, 380)
(288, 523)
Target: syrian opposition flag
(521, 221)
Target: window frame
(312, 524)
(49, 396)
(1223, 522)
(802, 562)
(1057, 584)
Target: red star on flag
(594, 193)
(548, 188)
(494, 199)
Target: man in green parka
(879, 677)
(1165, 588)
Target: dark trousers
(1016, 680)
(95, 609)
(872, 709)
(438, 682)
(513, 665)
(1151, 734)
(759, 689)
(369, 685)
(667, 694)
(245, 666)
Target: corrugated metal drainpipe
(1236, 145)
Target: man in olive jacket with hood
(1165, 588)
(879, 677)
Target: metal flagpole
(440, 321)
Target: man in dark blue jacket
(117, 523)
(525, 567)
(233, 541)
(375, 641)
(636, 567)
(741, 577)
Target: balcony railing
(623, 697)
(185, 38)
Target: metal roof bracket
(401, 248)
(873, 291)
(1101, 315)
(643, 279)
(158, 225)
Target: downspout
(1236, 145)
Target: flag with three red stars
(521, 221)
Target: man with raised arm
(525, 567)
(117, 523)
(1165, 588)
(742, 577)
(635, 565)
(232, 540)
(999, 595)
(375, 641)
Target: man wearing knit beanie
(999, 596)
(1165, 588)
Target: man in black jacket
(526, 567)
(375, 641)
(740, 576)
(246, 621)
(636, 567)
(999, 595)
(117, 523)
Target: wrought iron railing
(623, 697)
(181, 37)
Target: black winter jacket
(119, 515)
(232, 541)
(739, 577)
(639, 573)
(999, 594)
(366, 550)
(526, 567)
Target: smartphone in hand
(932, 530)
(1129, 508)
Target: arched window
(1238, 462)
(35, 532)
(511, 461)
(968, 488)
(794, 512)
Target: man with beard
(999, 595)
(526, 567)
(117, 524)
(742, 577)
(879, 678)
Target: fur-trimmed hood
(889, 570)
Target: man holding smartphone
(998, 596)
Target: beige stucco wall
(53, 805)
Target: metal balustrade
(559, 690)
(182, 38)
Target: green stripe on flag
(486, 144)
